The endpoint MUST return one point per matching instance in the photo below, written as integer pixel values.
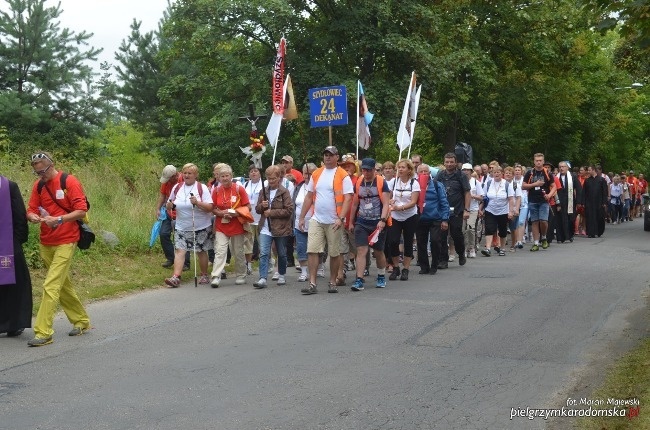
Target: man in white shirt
(330, 193)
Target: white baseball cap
(467, 166)
(167, 173)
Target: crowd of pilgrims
(434, 215)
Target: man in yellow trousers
(56, 206)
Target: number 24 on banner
(328, 106)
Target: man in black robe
(595, 203)
(570, 196)
(15, 288)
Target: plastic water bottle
(43, 212)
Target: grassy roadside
(114, 277)
(629, 378)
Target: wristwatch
(60, 220)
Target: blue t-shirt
(370, 201)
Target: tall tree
(140, 78)
(42, 70)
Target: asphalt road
(457, 350)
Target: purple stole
(7, 268)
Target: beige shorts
(320, 234)
(249, 238)
(347, 243)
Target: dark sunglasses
(42, 172)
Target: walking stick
(196, 282)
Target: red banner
(278, 79)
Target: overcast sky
(109, 20)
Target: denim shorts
(538, 211)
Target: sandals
(332, 288)
(340, 282)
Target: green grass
(628, 378)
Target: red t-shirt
(643, 186)
(634, 186)
(166, 190)
(229, 198)
(72, 199)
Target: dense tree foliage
(510, 78)
(43, 70)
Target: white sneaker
(241, 280)
(281, 280)
(451, 258)
(275, 276)
(472, 254)
(215, 281)
(302, 277)
(321, 272)
(260, 284)
(249, 268)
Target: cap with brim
(167, 173)
(331, 150)
(288, 158)
(467, 166)
(368, 164)
(347, 163)
(546, 163)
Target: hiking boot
(381, 280)
(395, 274)
(462, 260)
(241, 280)
(405, 275)
(40, 341)
(260, 284)
(167, 264)
(204, 280)
(282, 280)
(443, 265)
(311, 289)
(77, 331)
(173, 281)
(215, 282)
(358, 285)
(534, 248)
(486, 252)
(544, 243)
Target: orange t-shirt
(72, 199)
(229, 198)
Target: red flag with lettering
(278, 79)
